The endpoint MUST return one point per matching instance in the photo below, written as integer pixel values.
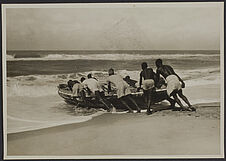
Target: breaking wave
(112, 57)
(10, 57)
(43, 85)
(32, 111)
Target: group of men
(174, 85)
(149, 80)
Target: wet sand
(163, 133)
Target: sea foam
(114, 56)
(36, 110)
(43, 85)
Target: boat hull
(66, 94)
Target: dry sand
(162, 133)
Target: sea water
(33, 77)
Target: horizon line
(114, 50)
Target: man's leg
(134, 102)
(103, 100)
(150, 101)
(171, 101)
(83, 95)
(85, 101)
(108, 104)
(146, 96)
(174, 94)
(180, 93)
(184, 98)
(125, 104)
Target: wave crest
(42, 85)
(115, 56)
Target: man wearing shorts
(148, 85)
(123, 91)
(174, 84)
(93, 85)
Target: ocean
(33, 77)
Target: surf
(44, 85)
(37, 95)
(113, 57)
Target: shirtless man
(148, 85)
(123, 91)
(93, 85)
(174, 84)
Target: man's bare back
(147, 73)
(173, 83)
(165, 71)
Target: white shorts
(148, 84)
(173, 83)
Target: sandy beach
(165, 132)
(46, 47)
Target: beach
(48, 48)
(41, 124)
(163, 133)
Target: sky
(114, 27)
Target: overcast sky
(121, 27)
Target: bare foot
(149, 112)
(187, 109)
(113, 109)
(192, 108)
(172, 106)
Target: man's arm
(157, 75)
(155, 78)
(173, 72)
(178, 77)
(140, 83)
(109, 86)
(183, 84)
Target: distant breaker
(106, 56)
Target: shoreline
(86, 118)
(127, 134)
(57, 123)
(57, 118)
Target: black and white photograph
(113, 80)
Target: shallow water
(32, 99)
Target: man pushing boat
(94, 86)
(148, 85)
(123, 91)
(174, 84)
